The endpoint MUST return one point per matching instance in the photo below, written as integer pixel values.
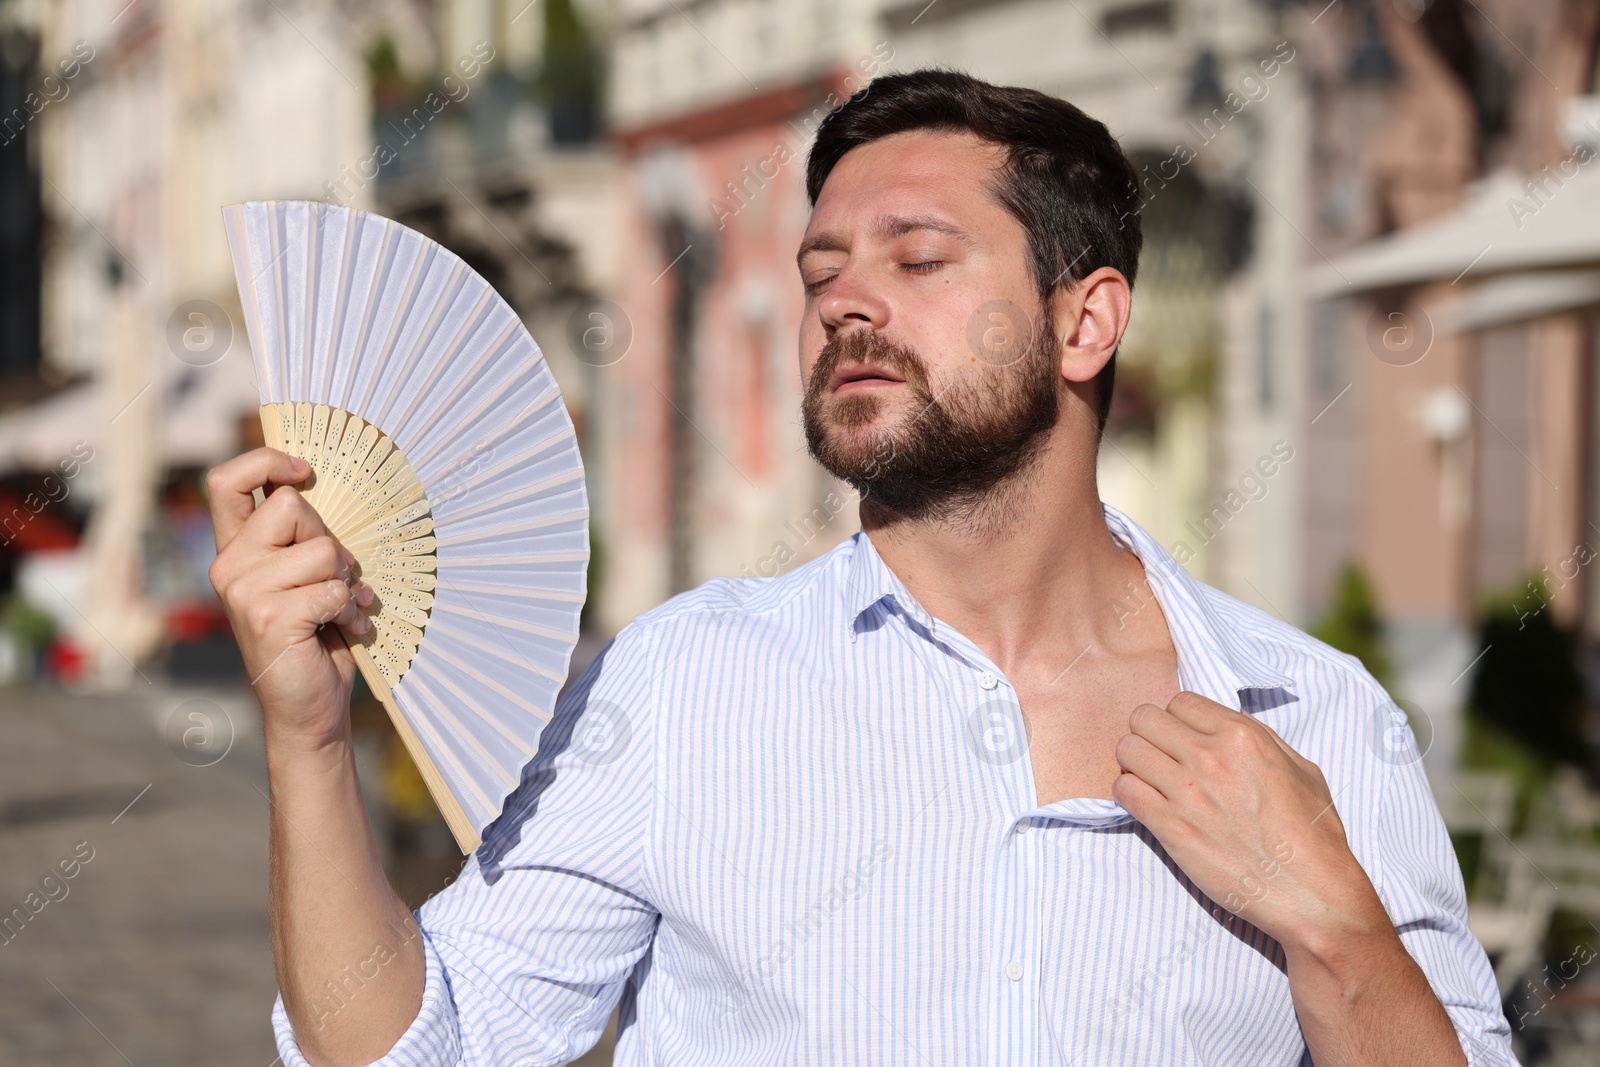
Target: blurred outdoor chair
(1511, 905)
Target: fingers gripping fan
(443, 457)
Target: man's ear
(1090, 319)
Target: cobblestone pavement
(155, 951)
(158, 952)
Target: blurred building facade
(1450, 377)
(166, 113)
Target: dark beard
(950, 453)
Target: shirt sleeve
(1418, 878)
(529, 949)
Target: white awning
(1501, 227)
(201, 407)
(1519, 297)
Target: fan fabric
(445, 458)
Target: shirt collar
(1210, 658)
(868, 579)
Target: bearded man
(948, 794)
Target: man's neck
(1049, 580)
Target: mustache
(869, 347)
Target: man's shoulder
(744, 600)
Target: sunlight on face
(912, 394)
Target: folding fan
(443, 457)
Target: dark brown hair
(1065, 178)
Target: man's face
(930, 371)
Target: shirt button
(988, 680)
(1014, 971)
(1022, 827)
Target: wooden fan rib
(374, 487)
(317, 492)
(359, 449)
(396, 567)
(461, 825)
(393, 543)
(402, 509)
(420, 600)
(372, 450)
(400, 633)
(418, 547)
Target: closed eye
(924, 267)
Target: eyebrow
(884, 228)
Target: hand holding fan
(443, 457)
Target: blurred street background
(1361, 390)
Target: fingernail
(364, 593)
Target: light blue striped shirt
(793, 821)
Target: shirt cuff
(433, 1038)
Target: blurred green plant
(390, 88)
(1488, 747)
(1524, 709)
(1527, 683)
(27, 623)
(1353, 624)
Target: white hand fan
(443, 457)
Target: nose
(852, 299)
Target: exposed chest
(1075, 722)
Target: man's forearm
(349, 957)
(1362, 1001)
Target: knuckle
(258, 615)
(1122, 790)
(325, 552)
(1241, 732)
(335, 594)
